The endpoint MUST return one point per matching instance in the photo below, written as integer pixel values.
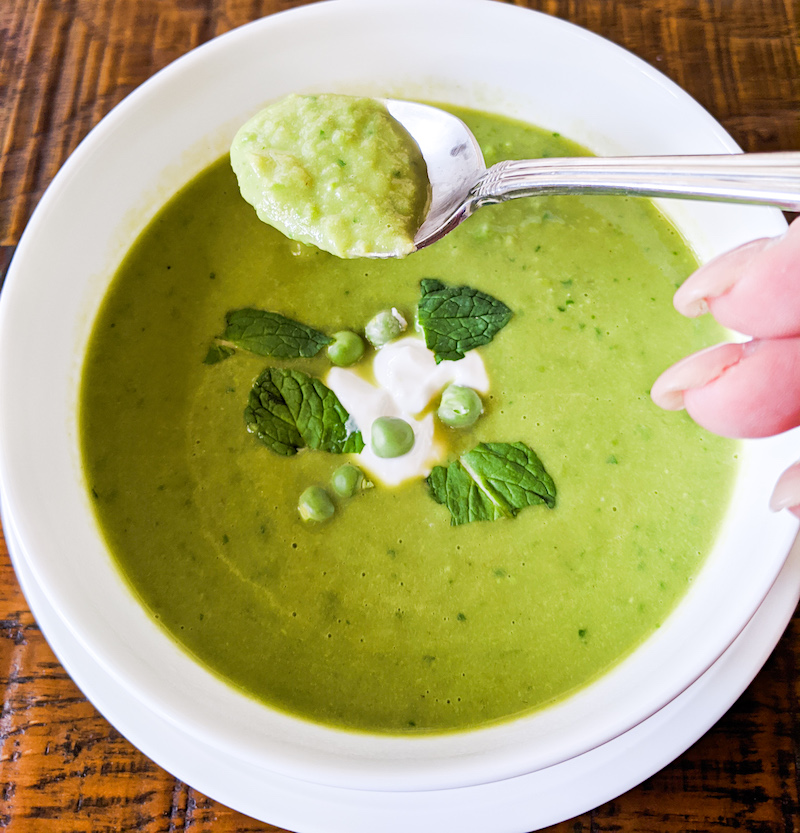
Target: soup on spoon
(335, 171)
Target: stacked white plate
(514, 805)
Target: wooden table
(63, 65)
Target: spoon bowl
(461, 183)
(454, 160)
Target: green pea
(347, 480)
(460, 407)
(391, 437)
(315, 504)
(384, 327)
(347, 348)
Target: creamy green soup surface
(387, 618)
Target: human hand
(750, 389)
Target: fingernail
(693, 372)
(717, 277)
(786, 494)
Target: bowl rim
(25, 496)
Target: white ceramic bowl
(470, 52)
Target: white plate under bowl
(515, 805)
(469, 52)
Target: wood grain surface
(63, 65)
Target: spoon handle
(761, 178)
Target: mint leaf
(492, 481)
(454, 487)
(271, 334)
(288, 410)
(514, 472)
(455, 319)
(218, 353)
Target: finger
(754, 289)
(787, 491)
(737, 390)
(693, 372)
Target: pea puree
(385, 618)
(336, 171)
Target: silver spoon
(461, 182)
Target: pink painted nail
(693, 372)
(717, 277)
(786, 494)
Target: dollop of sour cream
(407, 379)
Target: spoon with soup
(461, 183)
(348, 174)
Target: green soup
(386, 618)
(335, 171)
